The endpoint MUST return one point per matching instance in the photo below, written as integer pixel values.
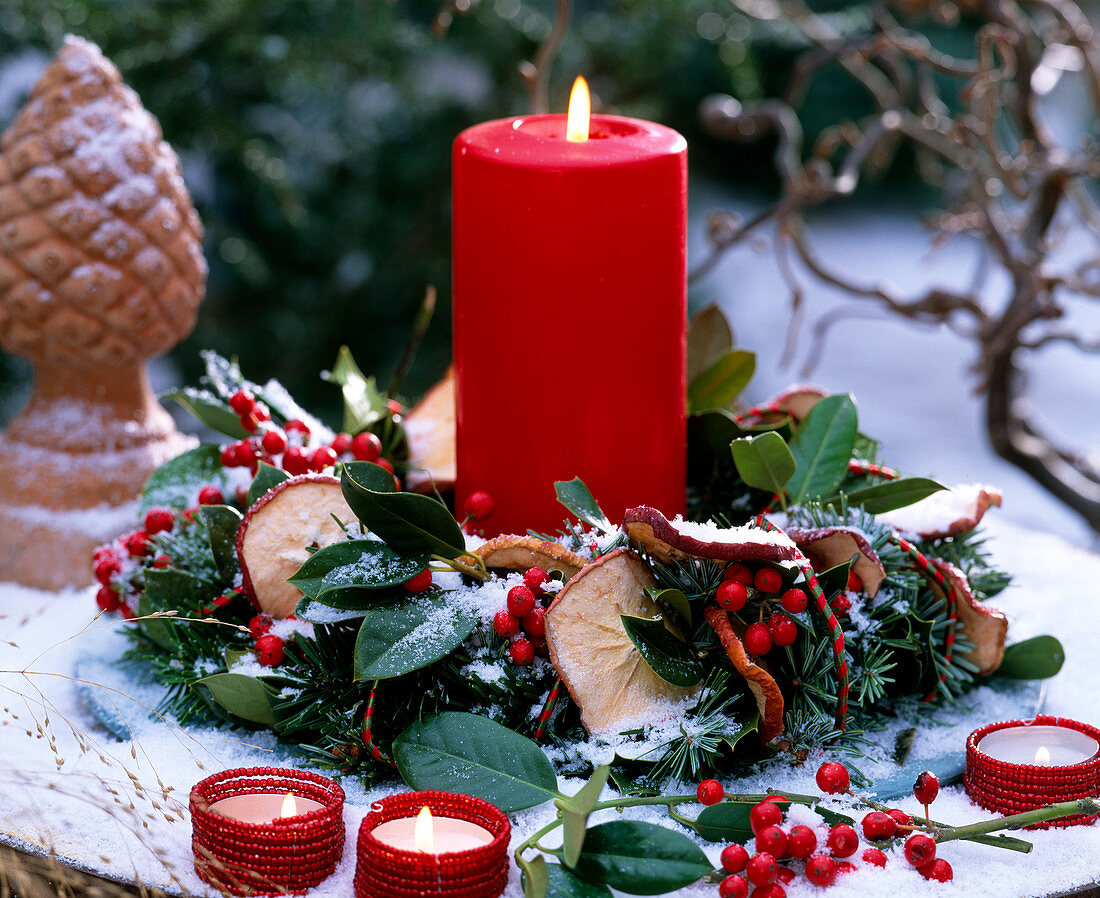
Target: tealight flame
(422, 834)
(290, 807)
(1042, 756)
(580, 110)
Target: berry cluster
(117, 565)
(526, 611)
(268, 648)
(775, 842)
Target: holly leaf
(640, 858)
(177, 482)
(893, 494)
(563, 884)
(668, 657)
(360, 563)
(244, 697)
(1033, 659)
(727, 821)
(708, 336)
(835, 579)
(675, 599)
(209, 408)
(822, 447)
(351, 604)
(364, 403)
(458, 752)
(763, 461)
(576, 497)
(267, 478)
(722, 381)
(222, 523)
(408, 635)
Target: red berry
(479, 505)
(900, 817)
(106, 568)
(761, 869)
(926, 788)
(801, 842)
(161, 562)
(520, 601)
(920, 849)
(366, 446)
(295, 461)
(420, 582)
(107, 599)
(341, 443)
(734, 858)
(274, 442)
(732, 595)
(228, 456)
(322, 457)
(298, 426)
(384, 463)
(845, 867)
(842, 841)
(840, 604)
(211, 495)
(259, 625)
(939, 870)
(832, 777)
(534, 578)
(784, 630)
(740, 572)
(394, 406)
(768, 579)
(877, 825)
(158, 520)
(784, 875)
(127, 612)
(794, 600)
(758, 639)
(249, 422)
(873, 856)
(269, 650)
(773, 840)
(522, 652)
(242, 402)
(505, 624)
(136, 543)
(821, 870)
(854, 583)
(733, 887)
(534, 622)
(764, 814)
(770, 890)
(710, 792)
(260, 413)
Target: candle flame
(1042, 756)
(290, 807)
(580, 110)
(422, 835)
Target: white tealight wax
(264, 808)
(448, 834)
(1047, 746)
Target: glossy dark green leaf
(708, 336)
(364, 403)
(763, 461)
(174, 589)
(267, 477)
(835, 579)
(749, 725)
(370, 476)
(362, 563)
(242, 696)
(409, 634)
(575, 811)
(576, 497)
(213, 411)
(822, 446)
(350, 604)
(563, 884)
(161, 631)
(883, 497)
(177, 482)
(640, 858)
(668, 657)
(222, 523)
(1033, 659)
(675, 599)
(458, 752)
(727, 821)
(722, 381)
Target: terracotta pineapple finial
(101, 268)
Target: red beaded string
(548, 709)
(869, 469)
(368, 738)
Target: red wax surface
(569, 316)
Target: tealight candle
(264, 808)
(439, 836)
(1044, 746)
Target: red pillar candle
(569, 315)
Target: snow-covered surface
(73, 806)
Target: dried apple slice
(678, 540)
(276, 532)
(945, 513)
(596, 659)
(761, 683)
(983, 626)
(798, 400)
(518, 553)
(836, 545)
(430, 428)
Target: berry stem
(1085, 806)
(476, 570)
(931, 826)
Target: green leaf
(222, 522)
(174, 589)
(242, 696)
(177, 482)
(722, 381)
(457, 752)
(708, 336)
(408, 635)
(361, 563)
(575, 811)
(210, 409)
(749, 725)
(563, 884)
(267, 477)
(408, 523)
(535, 877)
(640, 858)
(835, 579)
(727, 821)
(364, 403)
(161, 631)
(1033, 659)
(668, 657)
(316, 612)
(370, 476)
(822, 447)
(763, 461)
(576, 497)
(883, 497)
(675, 599)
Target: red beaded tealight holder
(287, 854)
(1011, 787)
(384, 871)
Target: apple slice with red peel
(945, 513)
(983, 626)
(836, 545)
(596, 659)
(798, 400)
(518, 553)
(430, 428)
(277, 531)
(678, 540)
